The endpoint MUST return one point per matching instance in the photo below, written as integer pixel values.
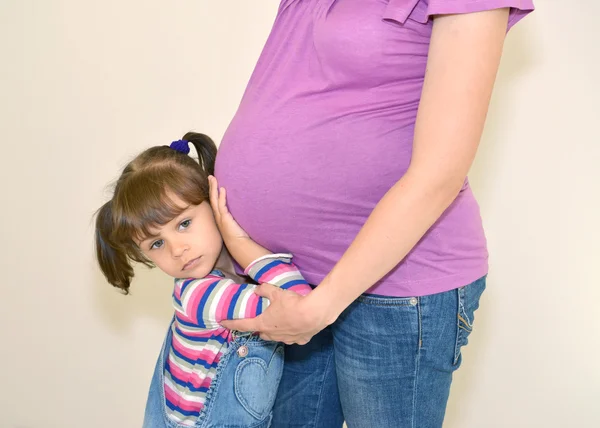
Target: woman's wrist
(326, 304)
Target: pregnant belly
(308, 194)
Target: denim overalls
(242, 393)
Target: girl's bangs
(145, 204)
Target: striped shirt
(199, 341)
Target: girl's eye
(185, 224)
(157, 244)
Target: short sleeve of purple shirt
(325, 128)
(422, 10)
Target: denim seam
(457, 340)
(384, 301)
(461, 303)
(417, 361)
(317, 414)
(213, 388)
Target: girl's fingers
(223, 201)
(213, 195)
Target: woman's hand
(290, 318)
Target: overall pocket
(257, 379)
(468, 302)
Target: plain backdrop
(86, 85)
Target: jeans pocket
(257, 380)
(468, 302)
(386, 301)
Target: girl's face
(188, 246)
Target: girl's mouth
(192, 263)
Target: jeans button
(242, 351)
(413, 301)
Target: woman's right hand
(229, 228)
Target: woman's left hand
(290, 318)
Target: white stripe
(185, 298)
(192, 329)
(210, 314)
(246, 294)
(195, 397)
(215, 348)
(284, 277)
(201, 372)
(287, 257)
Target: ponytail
(206, 149)
(113, 261)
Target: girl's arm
(241, 247)
(464, 56)
(207, 301)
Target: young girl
(160, 215)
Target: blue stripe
(177, 301)
(205, 296)
(234, 300)
(187, 385)
(188, 324)
(186, 283)
(259, 307)
(266, 268)
(198, 362)
(216, 338)
(181, 290)
(184, 383)
(294, 282)
(183, 412)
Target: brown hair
(143, 199)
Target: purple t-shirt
(325, 128)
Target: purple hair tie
(181, 146)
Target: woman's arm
(464, 56)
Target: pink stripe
(180, 402)
(189, 406)
(191, 309)
(191, 378)
(171, 396)
(197, 333)
(272, 273)
(204, 355)
(225, 302)
(251, 306)
(301, 289)
(206, 382)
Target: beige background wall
(86, 85)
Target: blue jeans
(386, 363)
(242, 393)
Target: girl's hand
(290, 317)
(229, 228)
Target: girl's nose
(179, 249)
